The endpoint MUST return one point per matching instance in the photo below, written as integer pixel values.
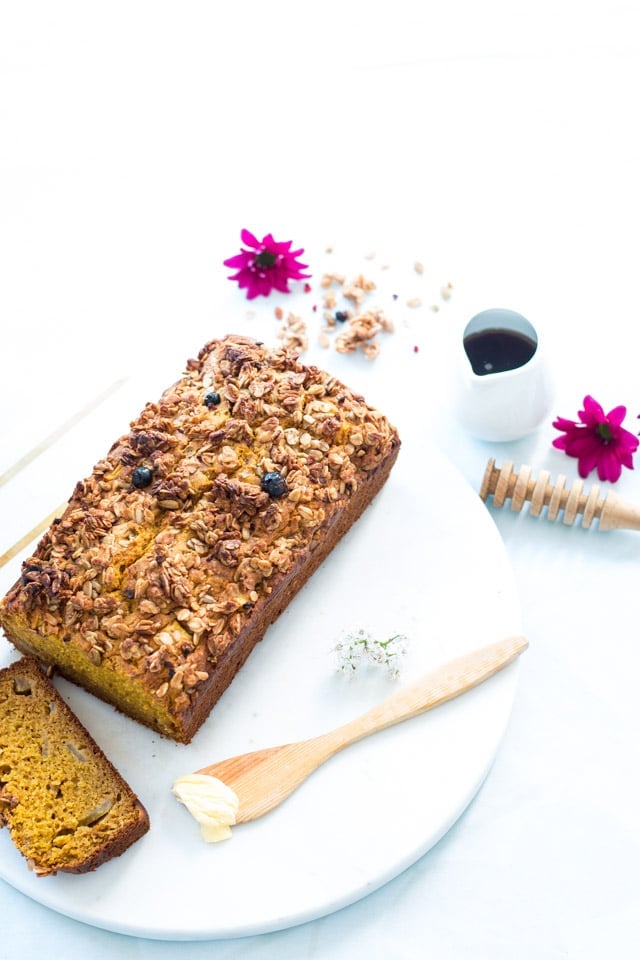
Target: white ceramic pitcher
(504, 386)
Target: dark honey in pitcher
(494, 350)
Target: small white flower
(360, 645)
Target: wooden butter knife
(263, 779)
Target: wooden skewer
(611, 511)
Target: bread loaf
(197, 529)
(66, 806)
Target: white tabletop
(498, 145)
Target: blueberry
(341, 316)
(142, 477)
(274, 484)
(212, 399)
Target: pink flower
(598, 441)
(266, 266)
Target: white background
(498, 144)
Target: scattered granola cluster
(361, 326)
(293, 332)
(350, 323)
(362, 331)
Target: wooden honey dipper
(612, 512)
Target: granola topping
(156, 579)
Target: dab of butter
(211, 802)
